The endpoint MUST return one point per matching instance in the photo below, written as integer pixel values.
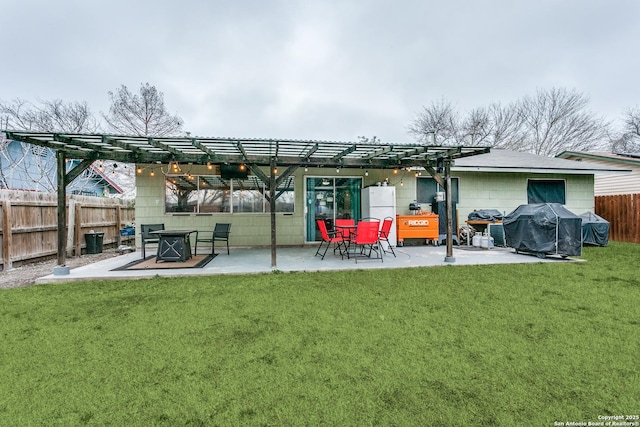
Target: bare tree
(629, 140)
(440, 120)
(632, 122)
(48, 116)
(557, 120)
(143, 115)
(547, 123)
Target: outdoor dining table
(347, 232)
(173, 245)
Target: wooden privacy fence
(29, 224)
(623, 213)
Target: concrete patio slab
(289, 259)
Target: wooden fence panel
(29, 223)
(623, 213)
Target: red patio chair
(367, 239)
(329, 238)
(384, 235)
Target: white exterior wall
(619, 183)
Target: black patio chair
(147, 237)
(220, 233)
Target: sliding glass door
(328, 199)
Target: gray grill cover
(595, 229)
(544, 228)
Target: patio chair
(146, 236)
(384, 235)
(329, 237)
(220, 233)
(367, 238)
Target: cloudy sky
(310, 69)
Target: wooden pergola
(286, 154)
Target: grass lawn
(503, 345)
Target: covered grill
(544, 229)
(595, 229)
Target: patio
(290, 259)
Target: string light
(366, 173)
(395, 171)
(242, 167)
(152, 173)
(209, 165)
(139, 170)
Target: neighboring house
(609, 184)
(500, 180)
(33, 168)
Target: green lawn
(504, 345)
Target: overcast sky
(330, 70)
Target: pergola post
(272, 208)
(61, 269)
(449, 211)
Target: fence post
(77, 229)
(6, 235)
(70, 242)
(118, 224)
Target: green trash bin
(94, 242)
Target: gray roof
(515, 161)
(632, 159)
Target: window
(546, 191)
(428, 187)
(212, 194)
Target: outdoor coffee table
(173, 245)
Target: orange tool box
(424, 226)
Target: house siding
(507, 191)
(612, 184)
(478, 190)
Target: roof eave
(537, 170)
